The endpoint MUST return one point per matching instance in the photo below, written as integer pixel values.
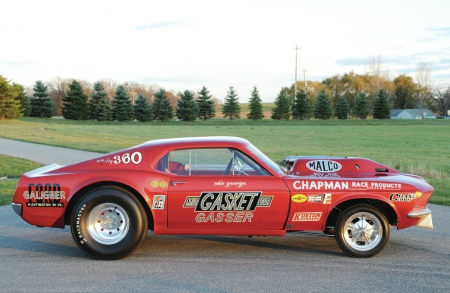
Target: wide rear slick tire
(108, 223)
(362, 231)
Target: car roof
(207, 141)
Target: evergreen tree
(41, 104)
(361, 107)
(122, 108)
(142, 110)
(205, 105)
(10, 107)
(75, 103)
(231, 107)
(282, 106)
(342, 108)
(301, 108)
(187, 109)
(255, 106)
(25, 107)
(101, 109)
(162, 109)
(381, 109)
(322, 108)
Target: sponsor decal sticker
(239, 206)
(323, 166)
(44, 195)
(327, 198)
(402, 197)
(156, 184)
(307, 216)
(314, 198)
(310, 185)
(158, 202)
(228, 201)
(299, 198)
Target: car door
(222, 188)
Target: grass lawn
(10, 171)
(415, 146)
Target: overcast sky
(181, 45)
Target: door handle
(177, 182)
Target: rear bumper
(17, 207)
(424, 216)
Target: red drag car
(220, 186)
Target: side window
(210, 161)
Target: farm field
(415, 146)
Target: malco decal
(323, 166)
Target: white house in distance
(412, 114)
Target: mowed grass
(421, 147)
(10, 171)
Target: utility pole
(295, 84)
(304, 77)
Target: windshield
(274, 166)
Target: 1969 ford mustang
(220, 186)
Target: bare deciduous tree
(57, 89)
(441, 97)
(110, 87)
(423, 80)
(378, 79)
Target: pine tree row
(323, 109)
(76, 105)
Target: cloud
(352, 61)
(162, 25)
(441, 31)
(18, 63)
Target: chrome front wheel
(362, 231)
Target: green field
(416, 146)
(10, 171)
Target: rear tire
(108, 223)
(362, 231)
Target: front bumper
(17, 207)
(425, 218)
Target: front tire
(362, 231)
(108, 223)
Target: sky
(185, 45)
